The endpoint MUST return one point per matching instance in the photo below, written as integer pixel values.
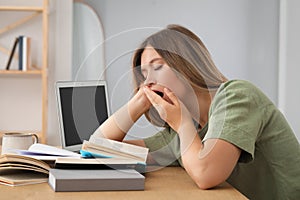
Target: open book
(30, 166)
(22, 170)
(114, 151)
(46, 152)
(106, 148)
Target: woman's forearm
(208, 164)
(117, 125)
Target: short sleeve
(236, 117)
(164, 147)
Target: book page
(121, 147)
(113, 148)
(22, 167)
(47, 150)
(24, 160)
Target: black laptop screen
(83, 110)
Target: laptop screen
(83, 107)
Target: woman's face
(158, 74)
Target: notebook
(82, 107)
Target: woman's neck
(200, 108)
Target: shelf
(20, 72)
(18, 8)
(33, 71)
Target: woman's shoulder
(237, 84)
(242, 90)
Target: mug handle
(35, 138)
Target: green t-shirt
(269, 165)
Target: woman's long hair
(185, 53)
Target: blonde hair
(184, 52)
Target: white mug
(13, 141)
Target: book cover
(21, 170)
(66, 180)
(11, 55)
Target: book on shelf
(67, 180)
(106, 148)
(11, 55)
(24, 53)
(18, 170)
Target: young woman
(216, 129)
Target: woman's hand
(139, 103)
(174, 112)
(118, 124)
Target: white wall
(20, 96)
(289, 93)
(242, 36)
(60, 41)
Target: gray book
(66, 180)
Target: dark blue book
(21, 52)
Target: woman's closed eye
(155, 68)
(158, 67)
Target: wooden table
(167, 183)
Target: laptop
(82, 108)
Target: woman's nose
(150, 80)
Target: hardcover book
(24, 53)
(66, 180)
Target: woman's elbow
(203, 185)
(205, 181)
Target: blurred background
(255, 40)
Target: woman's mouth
(161, 94)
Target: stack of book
(18, 170)
(24, 53)
(105, 165)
